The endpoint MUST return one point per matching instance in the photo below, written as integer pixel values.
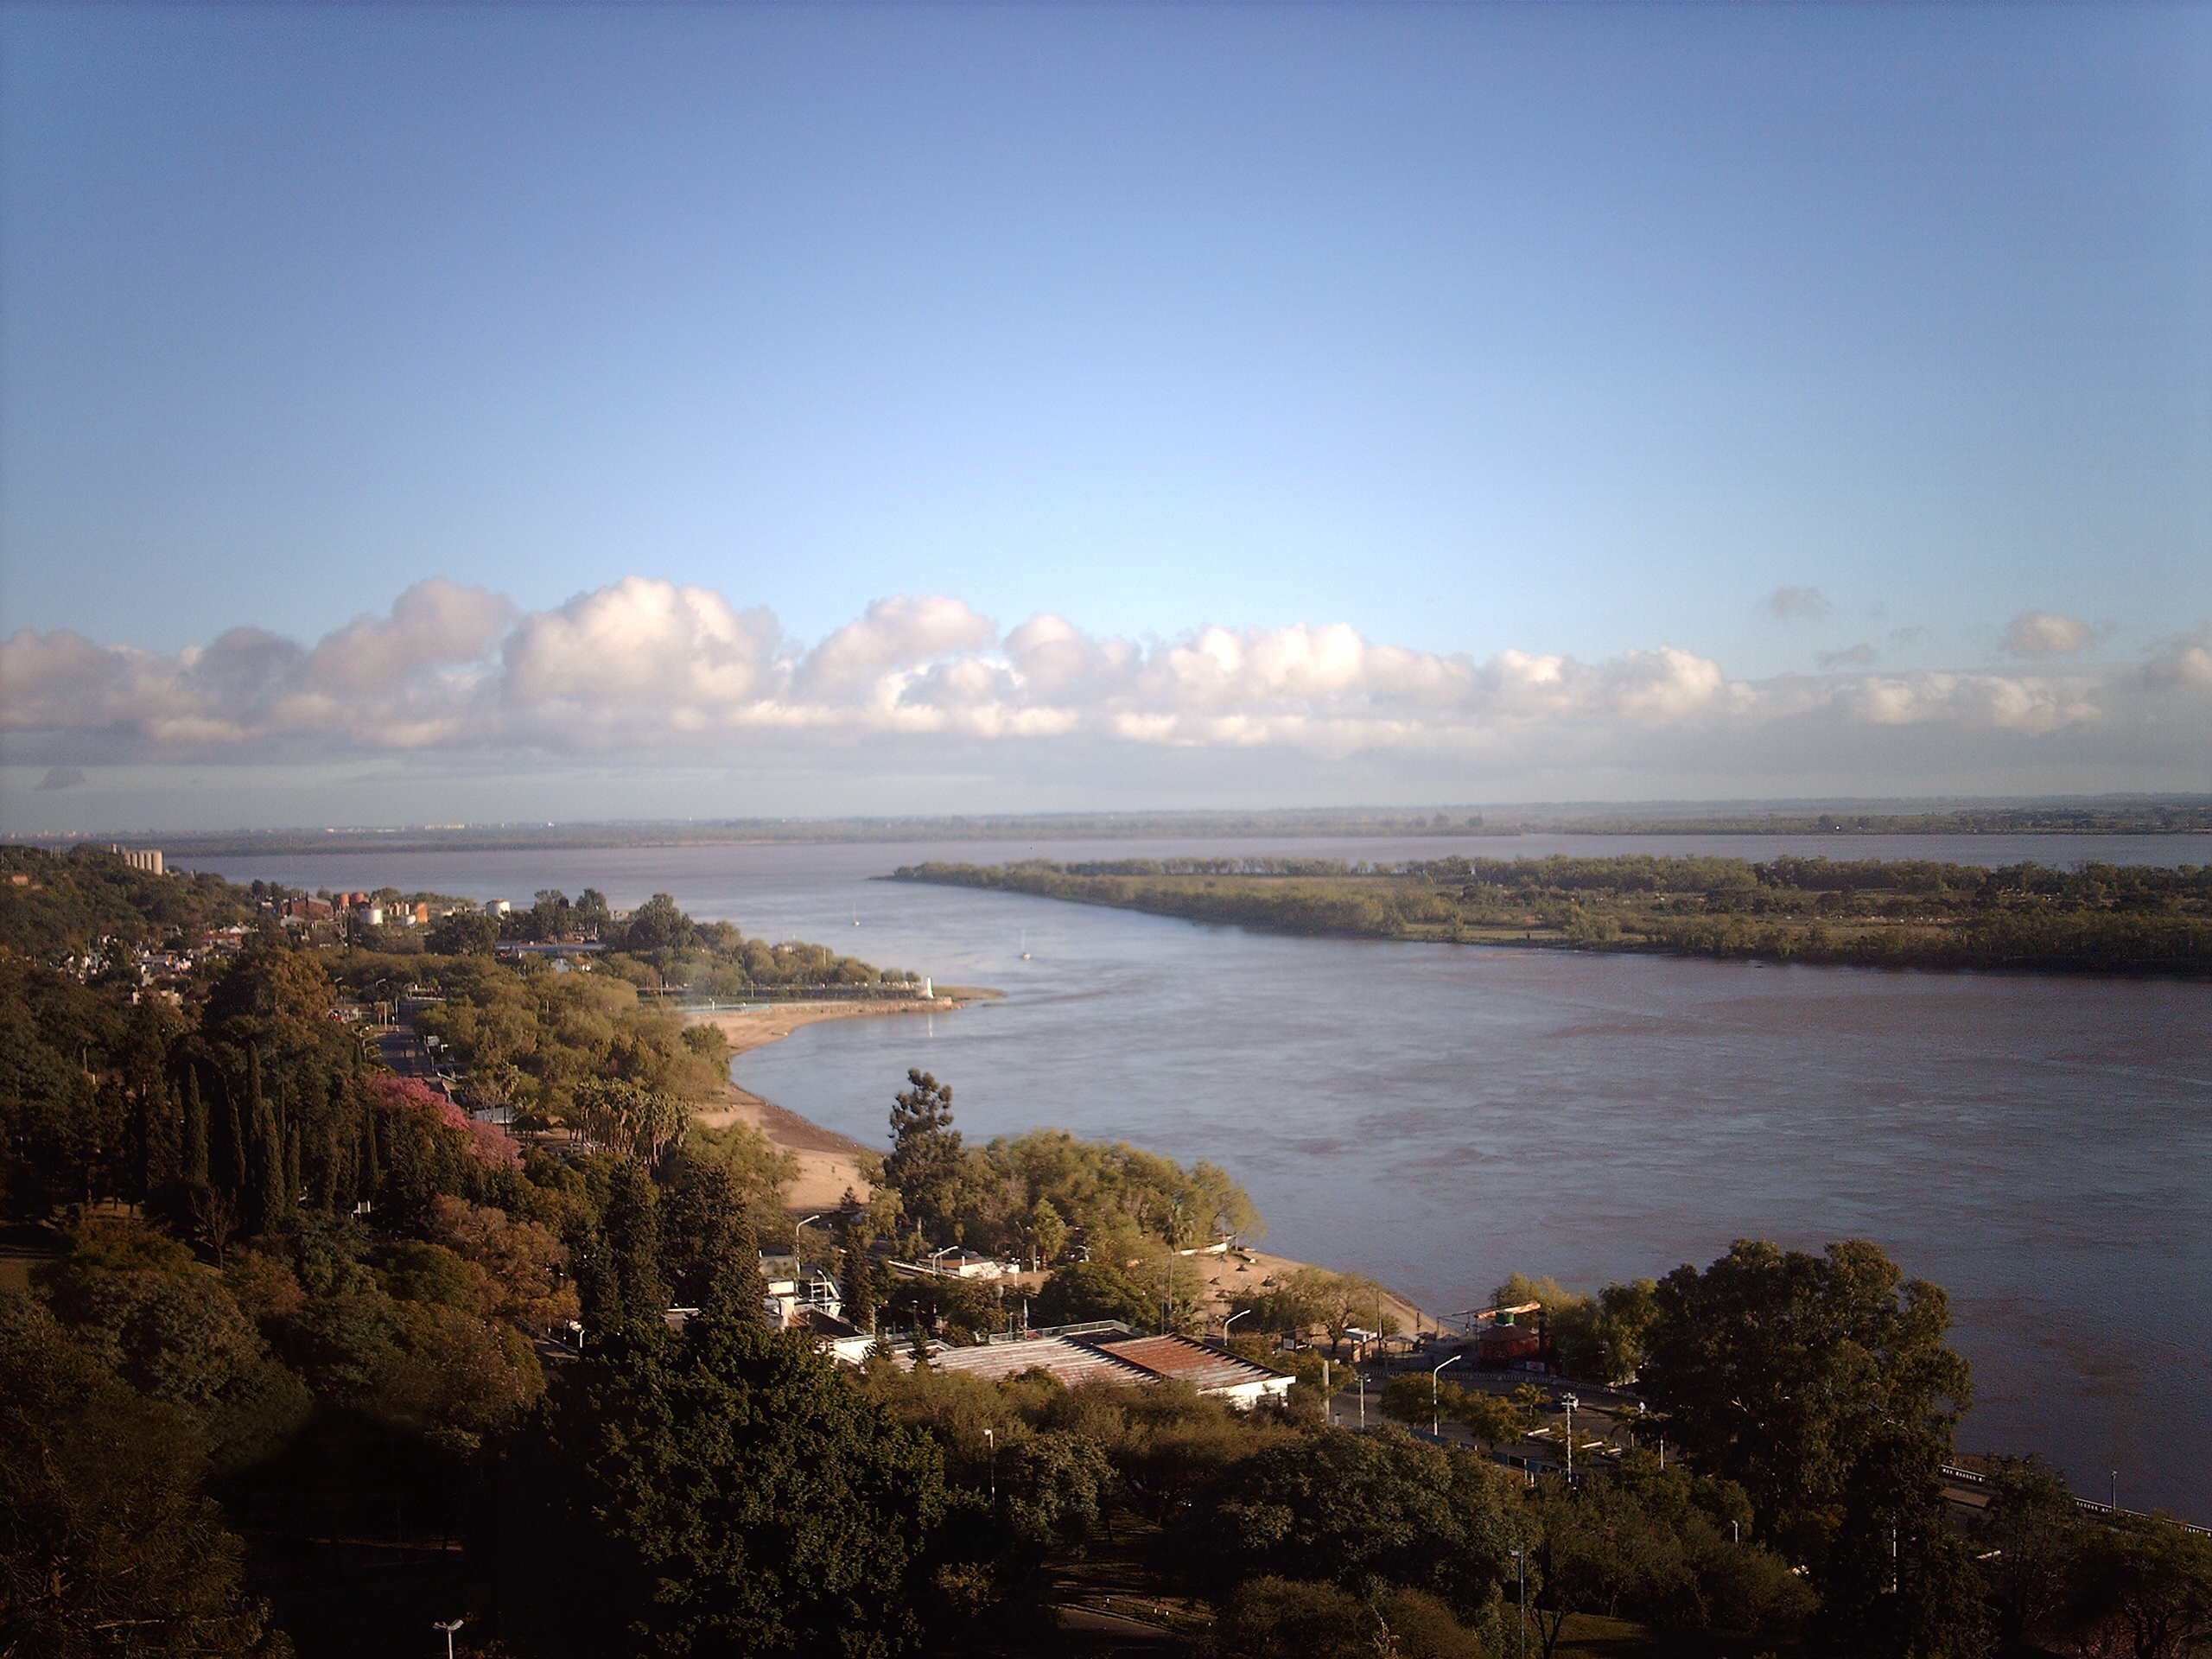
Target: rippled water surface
(1440, 1116)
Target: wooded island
(2101, 919)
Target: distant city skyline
(423, 415)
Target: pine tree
(195, 1129)
(857, 1269)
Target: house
(796, 1291)
(959, 1263)
(1110, 1352)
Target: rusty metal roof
(1186, 1360)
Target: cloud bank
(645, 671)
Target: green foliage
(69, 902)
(108, 1549)
(2103, 919)
(725, 1493)
(1311, 1298)
(1657, 1546)
(1083, 1291)
(2143, 1587)
(139, 1304)
(1022, 1194)
(463, 933)
(1353, 1509)
(1416, 1397)
(1823, 1385)
(1053, 1490)
(758, 1168)
(925, 1162)
(710, 1259)
(1283, 1618)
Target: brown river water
(1440, 1117)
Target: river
(1440, 1117)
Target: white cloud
(894, 633)
(648, 672)
(2041, 633)
(2184, 662)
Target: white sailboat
(1025, 944)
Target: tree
(464, 933)
(924, 1161)
(1048, 1233)
(107, 1547)
(728, 1493)
(632, 1121)
(710, 1257)
(167, 1327)
(2038, 1538)
(857, 1276)
(657, 932)
(618, 1274)
(1083, 1291)
(1351, 1508)
(1823, 1385)
(2150, 1582)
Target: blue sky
(1574, 333)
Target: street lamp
(991, 1439)
(1570, 1402)
(796, 1225)
(439, 1625)
(1231, 1320)
(1435, 1419)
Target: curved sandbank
(830, 1163)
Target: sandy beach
(830, 1163)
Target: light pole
(799, 1254)
(1435, 1416)
(439, 1625)
(1570, 1402)
(991, 1439)
(1231, 1320)
(2115, 1505)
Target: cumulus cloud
(1797, 604)
(894, 634)
(2041, 633)
(645, 671)
(2186, 661)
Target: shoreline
(829, 1162)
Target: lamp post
(1231, 1320)
(797, 1253)
(991, 1439)
(1570, 1402)
(441, 1624)
(1436, 1417)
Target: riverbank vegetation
(2102, 919)
(297, 1357)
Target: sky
(436, 414)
